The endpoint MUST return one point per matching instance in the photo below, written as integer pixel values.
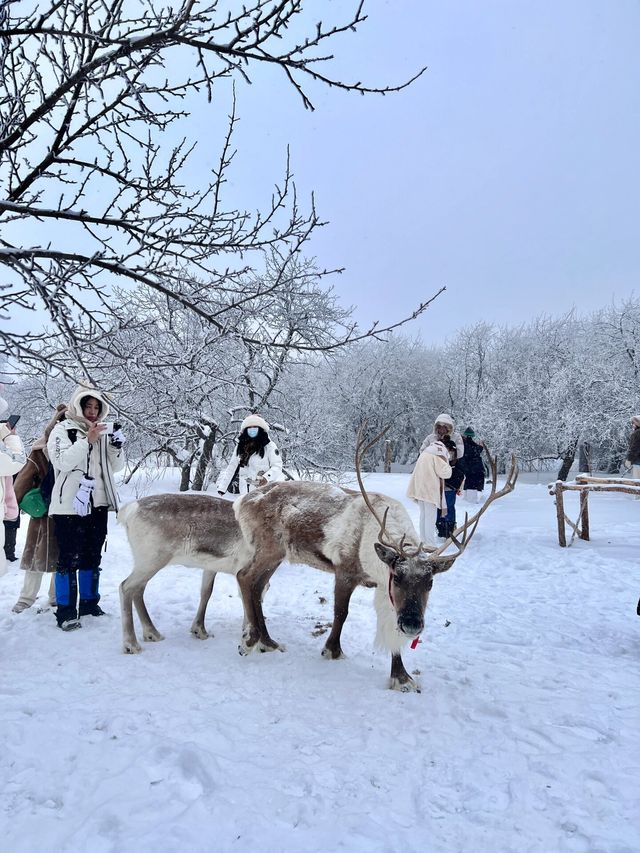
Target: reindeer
(191, 530)
(362, 539)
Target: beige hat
(254, 421)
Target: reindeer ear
(387, 555)
(441, 564)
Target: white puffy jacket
(69, 458)
(268, 467)
(12, 459)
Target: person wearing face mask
(84, 456)
(256, 458)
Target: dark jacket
(455, 480)
(634, 447)
(471, 464)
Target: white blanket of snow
(524, 738)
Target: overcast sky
(508, 172)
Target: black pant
(10, 531)
(80, 541)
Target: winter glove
(117, 438)
(82, 500)
(4, 431)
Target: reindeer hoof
(409, 686)
(131, 648)
(271, 646)
(152, 637)
(332, 654)
(244, 649)
(200, 632)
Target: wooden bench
(584, 484)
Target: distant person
(40, 553)
(12, 459)
(444, 427)
(256, 459)
(472, 466)
(426, 487)
(85, 456)
(446, 518)
(633, 454)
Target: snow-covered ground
(524, 738)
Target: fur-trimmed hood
(254, 421)
(444, 418)
(74, 409)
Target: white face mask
(252, 432)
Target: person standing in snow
(426, 487)
(446, 519)
(256, 458)
(633, 454)
(40, 553)
(84, 459)
(472, 466)
(12, 459)
(444, 427)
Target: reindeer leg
(150, 633)
(343, 590)
(265, 643)
(400, 678)
(206, 589)
(130, 644)
(252, 581)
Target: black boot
(90, 608)
(67, 618)
(10, 543)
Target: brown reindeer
(362, 539)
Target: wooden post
(584, 515)
(562, 538)
(387, 456)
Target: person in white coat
(256, 458)
(12, 459)
(426, 486)
(444, 427)
(85, 457)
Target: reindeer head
(411, 568)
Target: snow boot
(89, 582)
(10, 543)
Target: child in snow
(446, 520)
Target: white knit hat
(254, 421)
(444, 418)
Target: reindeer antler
(362, 447)
(470, 524)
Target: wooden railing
(584, 484)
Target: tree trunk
(567, 460)
(584, 458)
(185, 477)
(204, 461)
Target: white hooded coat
(70, 459)
(427, 480)
(12, 459)
(267, 467)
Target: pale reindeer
(362, 539)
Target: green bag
(33, 503)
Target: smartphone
(11, 421)
(109, 427)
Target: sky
(508, 172)
(524, 737)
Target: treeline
(548, 390)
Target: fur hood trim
(74, 409)
(254, 421)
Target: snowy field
(524, 737)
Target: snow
(524, 737)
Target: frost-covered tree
(95, 140)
